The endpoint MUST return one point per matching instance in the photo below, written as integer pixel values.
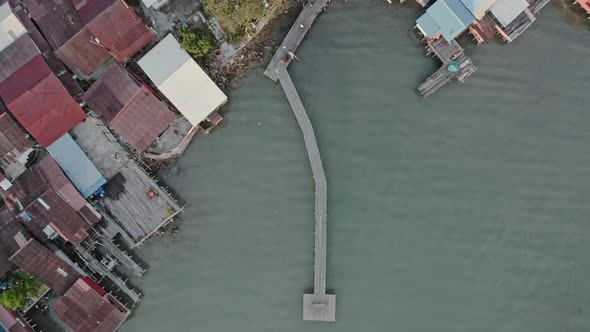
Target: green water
(467, 211)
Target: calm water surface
(467, 211)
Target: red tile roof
(80, 53)
(23, 79)
(12, 139)
(47, 111)
(40, 262)
(58, 20)
(84, 309)
(120, 30)
(142, 120)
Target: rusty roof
(16, 55)
(58, 20)
(82, 53)
(89, 9)
(50, 210)
(142, 120)
(59, 182)
(12, 138)
(25, 189)
(40, 262)
(83, 309)
(9, 229)
(114, 89)
(47, 111)
(120, 30)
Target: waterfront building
(182, 81)
(10, 27)
(585, 5)
(128, 107)
(450, 18)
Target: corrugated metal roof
(57, 19)
(163, 60)
(23, 79)
(182, 81)
(428, 26)
(59, 182)
(80, 53)
(12, 139)
(83, 308)
(120, 30)
(76, 165)
(506, 11)
(10, 27)
(111, 92)
(16, 55)
(47, 111)
(451, 16)
(142, 120)
(45, 265)
(25, 189)
(478, 7)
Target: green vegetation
(23, 286)
(200, 43)
(235, 15)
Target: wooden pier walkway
(281, 60)
(318, 306)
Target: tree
(235, 15)
(23, 287)
(199, 43)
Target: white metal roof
(76, 165)
(10, 27)
(182, 81)
(478, 7)
(507, 10)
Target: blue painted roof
(428, 25)
(76, 165)
(451, 16)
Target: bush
(235, 15)
(200, 43)
(23, 287)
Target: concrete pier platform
(319, 307)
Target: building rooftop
(89, 9)
(5, 264)
(24, 190)
(478, 7)
(10, 27)
(87, 307)
(47, 111)
(23, 79)
(13, 142)
(506, 11)
(76, 165)
(58, 20)
(12, 321)
(40, 262)
(181, 80)
(128, 107)
(16, 55)
(82, 54)
(119, 29)
(10, 229)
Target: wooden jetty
(447, 53)
(318, 306)
(282, 58)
